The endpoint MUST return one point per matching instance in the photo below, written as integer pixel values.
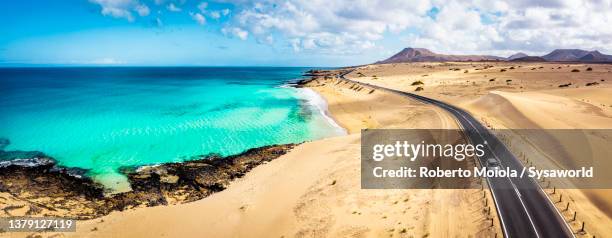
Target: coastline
(314, 189)
(150, 185)
(157, 120)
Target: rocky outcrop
(50, 190)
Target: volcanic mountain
(425, 55)
(517, 55)
(595, 56)
(568, 55)
(577, 55)
(565, 55)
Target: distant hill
(577, 55)
(595, 56)
(517, 56)
(425, 55)
(565, 55)
(568, 55)
(528, 59)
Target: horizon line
(151, 66)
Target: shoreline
(323, 107)
(146, 181)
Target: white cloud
(173, 8)
(215, 14)
(122, 8)
(332, 26)
(142, 10)
(531, 27)
(202, 6)
(352, 27)
(236, 32)
(478, 26)
(199, 18)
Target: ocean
(103, 118)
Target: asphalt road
(522, 206)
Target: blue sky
(288, 33)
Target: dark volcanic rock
(314, 75)
(52, 189)
(312, 72)
(59, 191)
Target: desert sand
(518, 96)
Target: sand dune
(522, 95)
(559, 109)
(547, 109)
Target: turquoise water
(104, 118)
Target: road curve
(523, 208)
